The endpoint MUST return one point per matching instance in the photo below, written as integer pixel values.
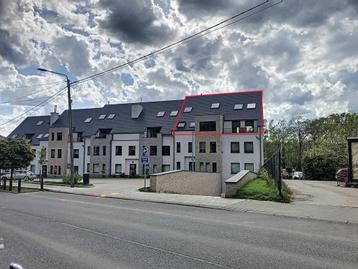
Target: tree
(15, 154)
(42, 160)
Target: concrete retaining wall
(233, 184)
(185, 182)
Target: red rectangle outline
(260, 133)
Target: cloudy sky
(302, 53)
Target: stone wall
(185, 182)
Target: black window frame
(131, 150)
(202, 150)
(231, 147)
(166, 150)
(76, 153)
(96, 150)
(59, 136)
(118, 151)
(59, 153)
(207, 126)
(245, 149)
(212, 149)
(190, 147)
(153, 150)
(178, 147)
(104, 150)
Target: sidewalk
(128, 189)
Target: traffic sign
(144, 159)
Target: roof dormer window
(188, 109)
(160, 113)
(87, 120)
(251, 106)
(215, 105)
(102, 116)
(45, 135)
(39, 136)
(174, 113)
(14, 136)
(181, 124)
(111, 116)
(238, 106)
(39, 122)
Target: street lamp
(69, 118)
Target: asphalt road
(51, 230)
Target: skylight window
(39, 136)
(45, 135)
(174, 113)
(238, 106)
(215, 105)
(88, 120)
(14, 136)
(102, 116)
(251, 106)
(39, 122)
(187, 109)
(160, 113)
(181, 124)
(192, 124)
(111, 116)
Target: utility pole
(69, 120)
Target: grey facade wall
(101, 159)
(209, 157)
(153, 160)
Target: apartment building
(218, 133)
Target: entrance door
(132, 169)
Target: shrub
(76, 177)
(321, 167)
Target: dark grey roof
(29, 126)
(123, 123)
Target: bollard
(19, 185)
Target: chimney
(136, 111)
(54, 116)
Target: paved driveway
(323, 193)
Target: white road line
(2, 246)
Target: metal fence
(273, 168)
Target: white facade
(184, 157)
(35, 166)
(168, 160)
(125, 161)
(78, 163)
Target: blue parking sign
(144, 159)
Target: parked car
(342, 176)
(287, 173)
(20, 174)
(297, 175)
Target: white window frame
(181, 124)
(238, 106)
(188, 109)
(161, 114)
(251, 106)
(173, 113)
(215, 105)
(111, 116)
(102, 116)
(39, 136)
(88, 120)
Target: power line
(59, 92)
(200, 33)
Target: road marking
(2, 246)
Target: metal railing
(273, 168)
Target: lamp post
(69, 118)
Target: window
(104, 150)
(153, 150)
(188, 109)
(76, 153)
(59, 153)
(111, 116)
(202, 146)
(39, 123)
(235, 127)
(249, 147)
(155, 169)
(191, 166)
(95, 168)
(249, 166)
(53, 153)
(178, 166)
(45, 135)
(178, 147)
(103, 168)
(59, 136)
(89, 150)
(87, 120)
(118, 168)
(190, 147)
(131, 150)
(174, 113)
(14, 136)
(51, 169)
(88, 167)
(102, 116)
(75, 169)
(166, 150)
(251, 106)
(235, 168)
(39, 136)
(160, 113)
(55, 170)
(207, 126)
(52, 136)
(235, 147)
(215, 105)
(95, 150)
(118, 150)
(165, 167)
(238, 106)
(102, 133)
(59, 169)
(214, 167)
(212, 147)
(207, 167)
(181, 124)
(192, 124)
(153, 131)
